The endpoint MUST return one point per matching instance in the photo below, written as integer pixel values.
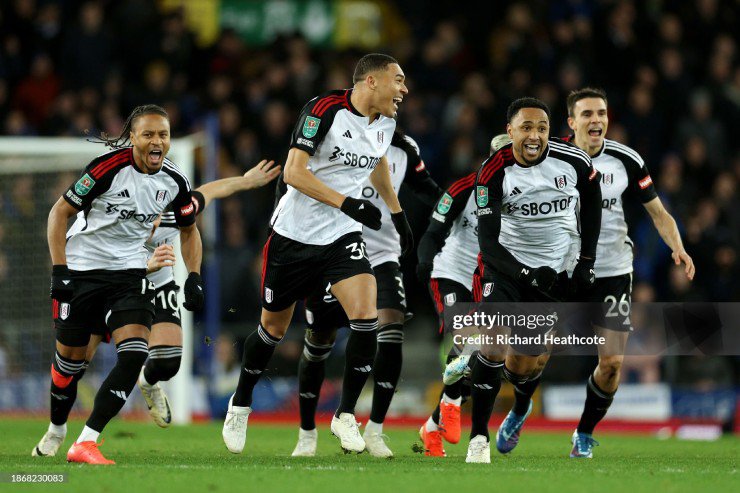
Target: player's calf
(116, 388)
(311, 372)
(486, 383)
(65, 373)
(386, 369)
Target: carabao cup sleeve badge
(310, 126)
(481, 196)
(84, 184)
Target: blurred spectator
(36, 93)
(87, 48)
(701, 123)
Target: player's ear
(371, 81)
(572, 123)
(509, 131)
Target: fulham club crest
(487, 288)
(63, 311)
(268, 295)
(561, 182)
(380, 137)
(607, 179)
(161, 195)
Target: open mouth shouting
(156, 157)
(532, 151)
(396, 102)
(595, 132)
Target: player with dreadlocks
(98, 281)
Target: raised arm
(668, 230)
(449, 207)
(260, 175)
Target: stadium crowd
(670, 70)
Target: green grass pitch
(194, 459)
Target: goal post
(44, 165)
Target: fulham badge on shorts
(487, 288)
(450, 299)
(268, 295)
(64, 311)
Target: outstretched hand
(682, 256)
(262, 174)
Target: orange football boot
(449, 421)
(88, 453)
(432, 442)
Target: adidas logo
(58, 397)
(347, 134)
(307, 395)
(66, 281)
(362, 206)
(123, 194)
(516, 191)
(119, 393)
(252, 372)
(363, 369)
(483, 386)
(385, 385)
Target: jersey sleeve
(95, 179)
(199, 201)
(417, 177)
(315, 120)
(640, 181)
(489, 200)
(449, 207)
(589, 190)
(183, 204)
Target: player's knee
(275, 330)
(361, 309)
(610, 366)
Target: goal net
(34, 172)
